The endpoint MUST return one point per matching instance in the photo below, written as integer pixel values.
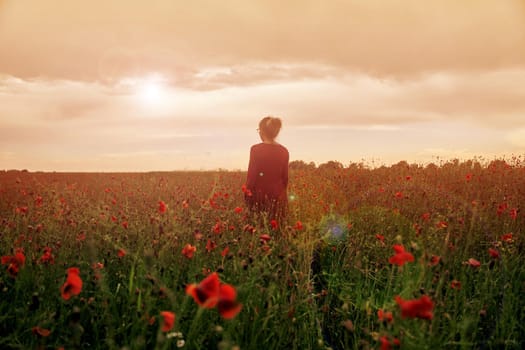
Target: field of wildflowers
(407, 256)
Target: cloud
(105, 41)
(329, 97)
(517, 137)
(218, 77)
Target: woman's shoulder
(256, 146)
(282, 148)
(272, 147)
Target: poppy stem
(194, 322)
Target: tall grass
(316, 285)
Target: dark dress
(267, 180)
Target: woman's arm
(285, 170)
(252, 171)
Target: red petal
(227, 292)
(229, 308)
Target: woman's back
(268, 170)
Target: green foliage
(316, 285)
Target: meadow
(399, 257)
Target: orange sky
(167, 84)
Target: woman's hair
(270, 127)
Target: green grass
(315, 288)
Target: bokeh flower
(168, 320)
(416, 308)
(401, 256)
(73, 284)
(206, 293)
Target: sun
(151, 91)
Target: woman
(268, 172)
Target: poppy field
(399, 257)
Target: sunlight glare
(151, 91)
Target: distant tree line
(454, 163)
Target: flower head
(206, 293)
(494, 253)
(455, 284)
(189, 250)
(434, 260)
(385, 316)
(228, 306)
(168, 319)
(298, 226)
(473, 263)
(162, 207)
(15, 262)
(416, 308)
(41, 332)
(210, 292)
(47, 256)
(73, 284)
(121, 253)
(401, 256)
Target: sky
(159, 85)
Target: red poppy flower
(73, 284)
(265, 237)
(434, 260)
(455, 284)
(385, 344)
(228, 306)
(47, 256)
(442, 224)
(121, 253)
(385, 316)
(298, 226)
(42, 332)
(162, 207)
(473, 262)
(380, 238)
(507, 237)
(501, 208)
(416, 308)
(168, 319)
(210, 245)
(401, 257)
(14, 263)
(97, 265)
(238, 210)
(513, 213)
(217, 228)
(247, 192)
(189, 250)
(81, 236)
(274, 224)
(493, 253)
(20, 257)
(225, 251)
(249, 228)
(21, 210)
(206, 293)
